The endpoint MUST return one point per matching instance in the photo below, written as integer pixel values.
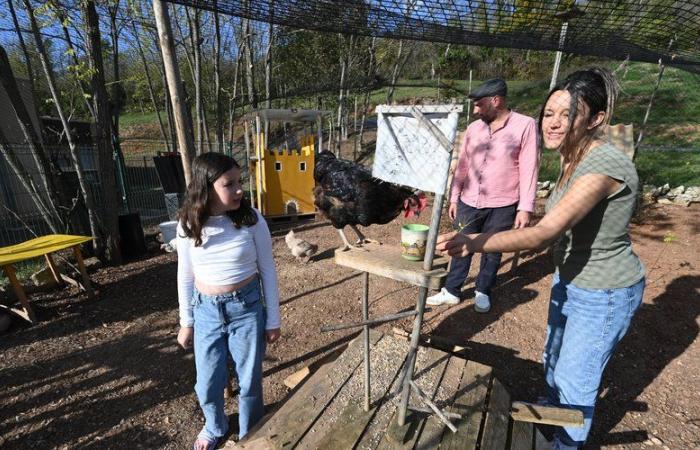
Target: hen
(348, 195)
(301, 249)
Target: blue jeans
(583, 328)
(473, 220)
(235, 323)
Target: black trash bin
(133, 244)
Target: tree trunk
(47, 171)
(183, 125)
(23, 46)
(103, 126)
(118, 93)
(149, 82)
(268, 69)
(217, 83)
(365, 103)
(195, 42)
(84, 88)
(248, 51)
(97, 240)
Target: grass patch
(137, 118)
(657, 168)
(23, 270)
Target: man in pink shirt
(494, 186)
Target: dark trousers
(473, 220)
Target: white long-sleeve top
(227, 256)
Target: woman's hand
(454, 244)
(272, 335)
(184, 337)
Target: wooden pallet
(325, 412)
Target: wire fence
(138, 182)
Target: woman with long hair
(599, 281)
(224, 256)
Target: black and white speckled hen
(348, 195)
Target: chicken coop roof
(646, 30)
(287, 115)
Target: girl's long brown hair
(206, 169)
(597, 88)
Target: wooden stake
(54, 270)
(26, 312)
(83, 271)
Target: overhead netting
(636, 30)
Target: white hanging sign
(414, 145)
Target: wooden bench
(41, 246)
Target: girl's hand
(184, 337)
(454, 244)
(272, 335)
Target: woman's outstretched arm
(586, 192)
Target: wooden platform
(386, 261)
(325, 412)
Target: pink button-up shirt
(500, 168)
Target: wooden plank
(432, 129)
(287, 426)
(495, 435)
(53, 268)
(345, 428)
(430, 369)
(521, 438)
(470, 402)
(432, 431)
(550, 415)
(386, 261)
(541, 443)
(425, 109)
(297, 377)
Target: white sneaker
(482, 303)
(442, 298)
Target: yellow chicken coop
(282, 176)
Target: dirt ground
(106, 373)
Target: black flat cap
(490, 88)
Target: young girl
(599, 281)
(224, 253)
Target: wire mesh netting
(640, 31)
(347, 58)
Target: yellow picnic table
(42, 246)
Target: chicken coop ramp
(324, 411)
(414, 145)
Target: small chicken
(301, 249)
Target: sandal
(211, 445)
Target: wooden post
(260, 152)
(26, 313)
(83, 271)
(365, 336)
(183, 126)
(319, 130)
(247, 155)
(54, 270)
(662, 67)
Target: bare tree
(103, 128)
(217, 83)
(371, 69)
(85, 191)
(48, 210)
(248, 53)
(183, 125)
(149, 82)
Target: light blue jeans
(583, 329)
(235, 323)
